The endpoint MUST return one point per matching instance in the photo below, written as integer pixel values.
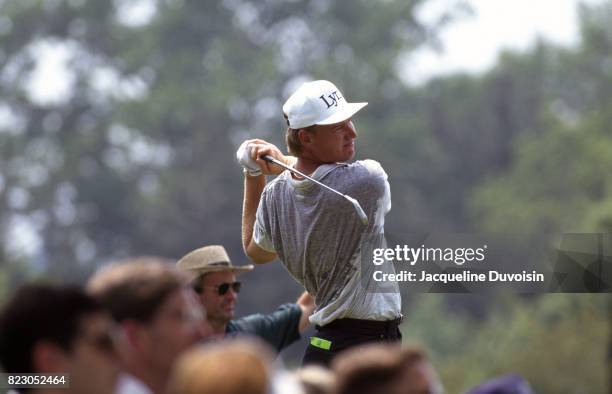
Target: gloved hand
(243, 154)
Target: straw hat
(207, 259)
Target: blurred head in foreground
(157, 315)
(385, 369)
(315, 379)
(59, 330)
(231, 367)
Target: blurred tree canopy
(559, 177)
(138, 156)
(554, 342)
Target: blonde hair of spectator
(385, 369)
(240, 366)
(315, 379)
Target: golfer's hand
(259, 148)
(243, 155)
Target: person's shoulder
(368, 171)
(362, 176)
(276, 183)
(372, 166)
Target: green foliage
(146, 165)
(554, 342)
(554, 179)
(558, 178)
(428, 322)
(149, 172)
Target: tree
(538, 339)
(137, 156)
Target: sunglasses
(222, 289)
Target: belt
(347, 323)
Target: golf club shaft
(285, 166)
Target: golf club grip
(267, 158)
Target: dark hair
(137, 288)
(41, 312)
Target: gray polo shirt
(317, 236)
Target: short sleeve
(260, 235)
(377, 170)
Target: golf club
(360, 212)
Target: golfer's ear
(304, 136)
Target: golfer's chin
(340, 156)
(348, 154)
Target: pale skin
(326, 144)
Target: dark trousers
(341, 334)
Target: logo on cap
(334, 97)
(318, 103)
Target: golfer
(315, 233)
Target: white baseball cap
(318, 102)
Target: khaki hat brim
(195, 273)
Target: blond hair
(232, 367)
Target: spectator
(315, 379)
(157, 317)
(237, 367)
(385, 369)
(213, 277)
(59, 330)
